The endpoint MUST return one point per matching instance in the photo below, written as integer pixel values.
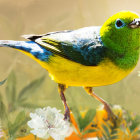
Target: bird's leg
(111, 115)
(61, 89)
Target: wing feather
(83, 46)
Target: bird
(87, 57)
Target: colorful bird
(87, 57)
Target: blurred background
(18, 17)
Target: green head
(121, 35)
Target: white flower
(48, 122)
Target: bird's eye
(119, 24)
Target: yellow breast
(74, 74)
(71, 73)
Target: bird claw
(111, 116)
(67, 114)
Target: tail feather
(21, 45)
(27, 46)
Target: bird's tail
(26, 46)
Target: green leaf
(135, 123)
(23, 131)
(84, 122)
(19, 121)
(1, 98)
(3, 114)
(81, 122)
(11, 90)
(10, 134)
(136, 133)
(2, 82)
(77, 117)
(114, 131)
(104, 136)
(76, 112)
(30, 106)
(20, 117)
(132, 121)
(30, 89)
(106, 130)
(89, 131)
(113, 137)
(88, 118)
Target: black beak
(135, 23)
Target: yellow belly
(74, 74)
(71, 73)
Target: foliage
(13, 116)
(88, 124)
(93, 123)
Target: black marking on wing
(89, 54)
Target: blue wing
(83, 46)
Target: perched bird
(89, 57)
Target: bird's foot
(67, 114)
(111, 116)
